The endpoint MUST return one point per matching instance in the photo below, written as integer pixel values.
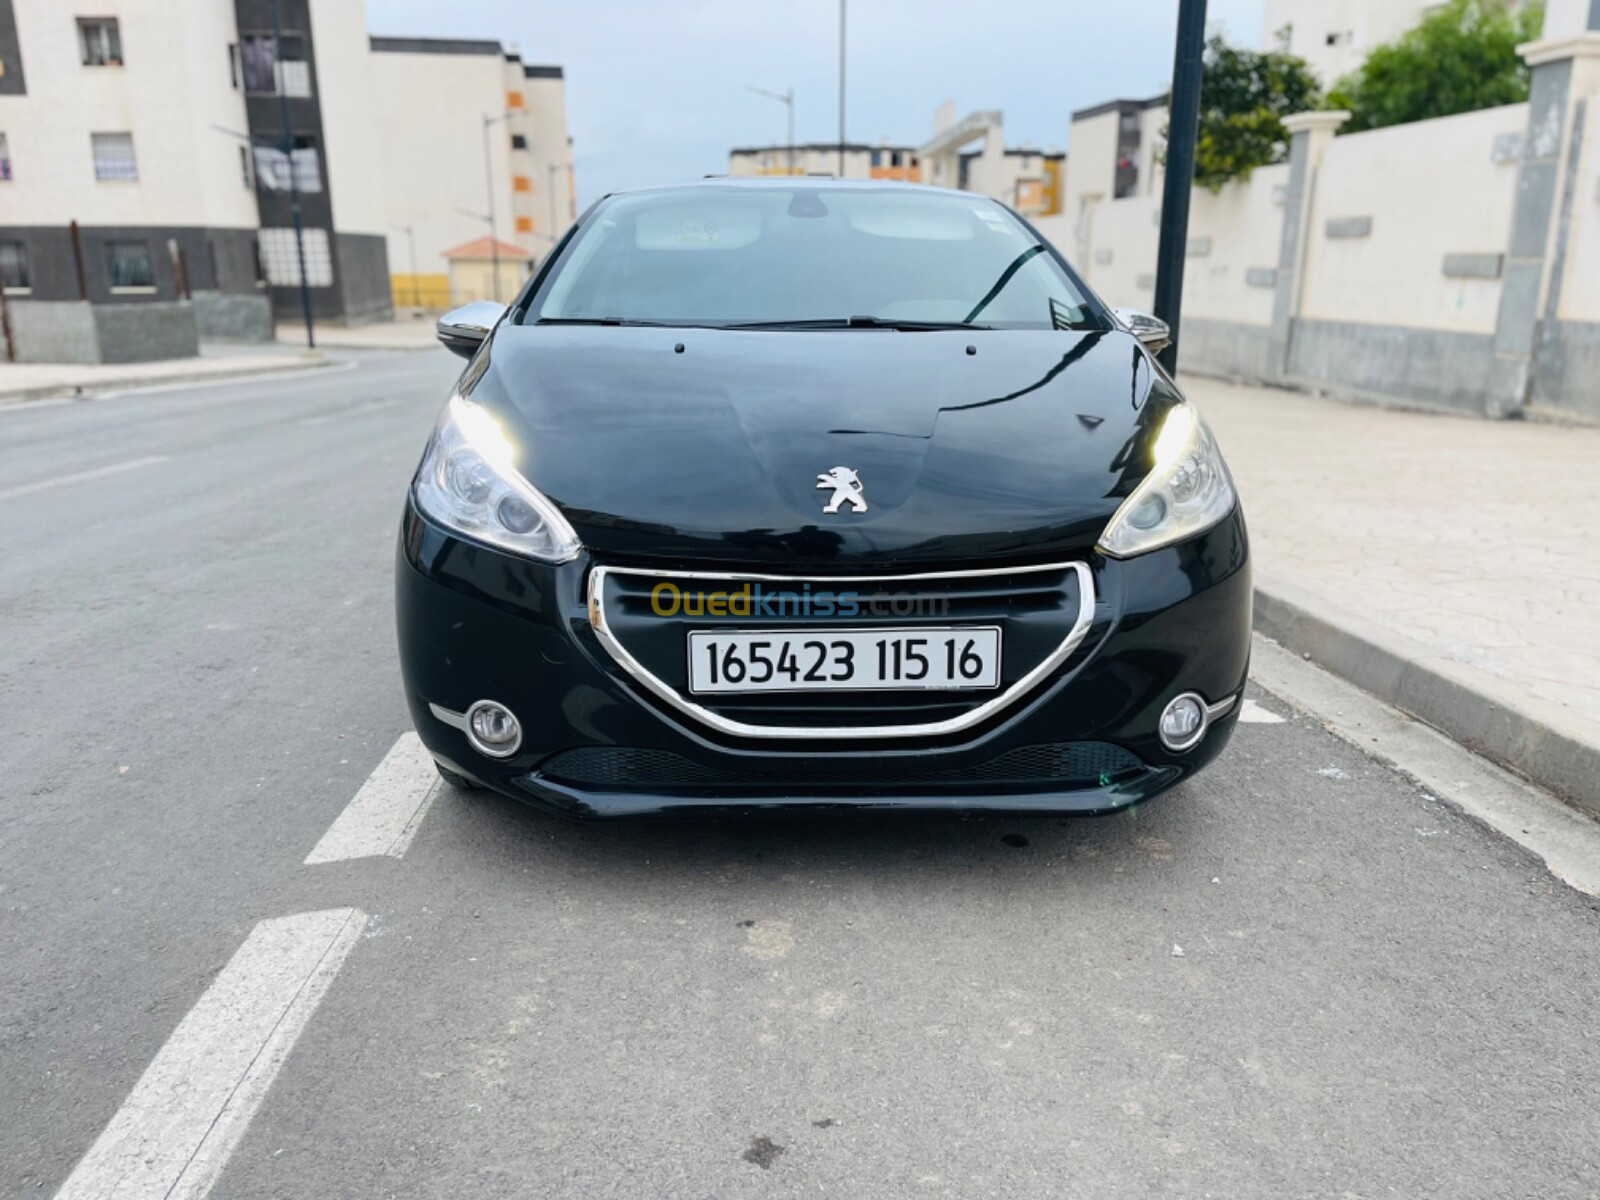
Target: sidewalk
(1451, 566)
(34, 381)
(405, 332)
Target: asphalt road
(1298, 976)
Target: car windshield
(775, 256)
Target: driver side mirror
(1155, 333)
(463, 330)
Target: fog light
(493, 730)
(1183, 722)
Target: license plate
(803, 660)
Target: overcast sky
(656, 88)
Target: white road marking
(1253, 714)
(384, 816)
(132, 464)
(174, 1133)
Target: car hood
(705, 446)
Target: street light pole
(787, 100)
(488, 171)
(550, 186)
(288, 158)
(411, 241)
(1183, 126)
(841, 88)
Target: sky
(656, 89)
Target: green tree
(1460, 58)
(1244, 96)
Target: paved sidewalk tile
(1478, 539)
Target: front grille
(1042, 612)
(618, 768)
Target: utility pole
(841, 87)
(288, 157)
(787, 100)
(1183, 126)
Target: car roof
(800, 182)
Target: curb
(70, 391)
(1399, 672)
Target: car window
(737, 255)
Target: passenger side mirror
(462, 330)
(1155, 333)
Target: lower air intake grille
(619, 768)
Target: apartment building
(861, 161)
(497, 163)
(1335, 36)
(1029, 180)
(152, 154)
(128, 217)
(1116, 145)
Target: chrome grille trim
(670, 695)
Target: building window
(524, 224)
(128, 267)
(100, 41)
(113, 157)
(281, 261)
(266, 74)
(272, 168)
(514, 100)
(244, 166)
(518, 142)
(5, 160)
(521, 183)
(14, 267)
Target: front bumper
(475, 623)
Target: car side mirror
(463, 330)
(1155, 333)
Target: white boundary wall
(1377, 264)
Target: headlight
(468, 484)
(1187, 491)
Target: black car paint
(1018, 452)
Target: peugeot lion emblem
(846, 485)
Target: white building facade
(1335, 36)
(442, 190)
(153, 154)
(120, 195)
(1029, 180)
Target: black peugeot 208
(808, 492)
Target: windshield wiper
(855, 323)
(618, 321)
